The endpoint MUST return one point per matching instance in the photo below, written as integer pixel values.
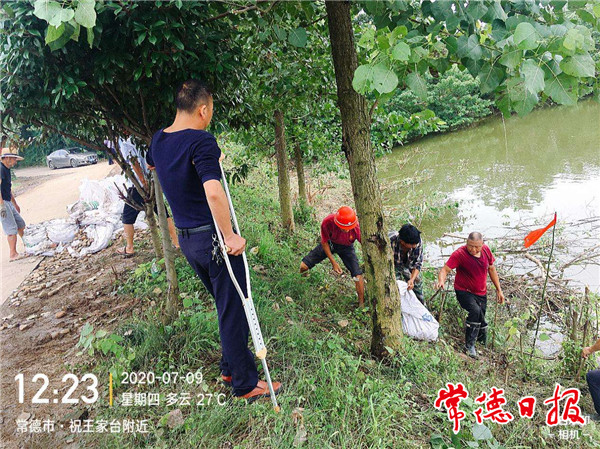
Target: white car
(70, 157)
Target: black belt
(189, 231)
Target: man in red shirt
(338, 233)
(473, 262)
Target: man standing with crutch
(187, 161)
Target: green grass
(349, 399)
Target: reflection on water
(503, 175)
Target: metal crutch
(257, 339)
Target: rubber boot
(471, 332)
(483, 333)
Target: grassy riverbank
(335, 394)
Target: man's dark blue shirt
(6, 182)
(184, 160)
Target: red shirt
(331, 232)
(471, 271)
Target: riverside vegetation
(336, 394)
(522, 53)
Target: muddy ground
(39, 329)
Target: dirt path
(39, 331)
(42, 194)
(55, 297)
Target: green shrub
(453, 101)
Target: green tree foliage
(126, 76)
(288, 67)
(453, 100)
(523, 53)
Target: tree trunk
(153, 225)
(381, 291)
(147, 196)
(302, 197)
(173, 304)
(283, 178)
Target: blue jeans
(237, 360)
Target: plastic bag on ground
(61, 231)
(100, 235)
(97, 212)
(102, 195)
(417, 322)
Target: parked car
(71, 157)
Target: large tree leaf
(503, 104)
(367, 39)
(9, 11)
(417, 54)
(511, 57)
(469, 47)
(441, 10)
(481, 432)
(586, 16)
(384, 79)
(53, 33)
(280, 33)
(579, 38)
(526, 36)
(533, 75)
(363, 78)
(573, 39)
(298, 37)
(85, 14)
(64, 15)
(474, 67)
(452, 44)
(45, 10)
(77, 27)
(90, 36)
(578, 65)
(476, 9)
(401, 51)
(417, 84)
(452, 23)
(562, 89)
(59, 35)
(495, 11)
(522, 99)
(489, 78)
(499, 31)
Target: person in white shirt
(132, 155)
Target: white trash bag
(100, 195)
(36, 239)
(61, 230)
(417, 322)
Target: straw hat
(9, 152)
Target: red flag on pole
(533, 236)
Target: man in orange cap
(338, 233)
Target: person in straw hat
(12, 222)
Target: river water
(501, 178)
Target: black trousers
(238, 360)
(593, 380)
(346, 253)
(475, 305)
(130, 214)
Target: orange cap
(345, 218)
